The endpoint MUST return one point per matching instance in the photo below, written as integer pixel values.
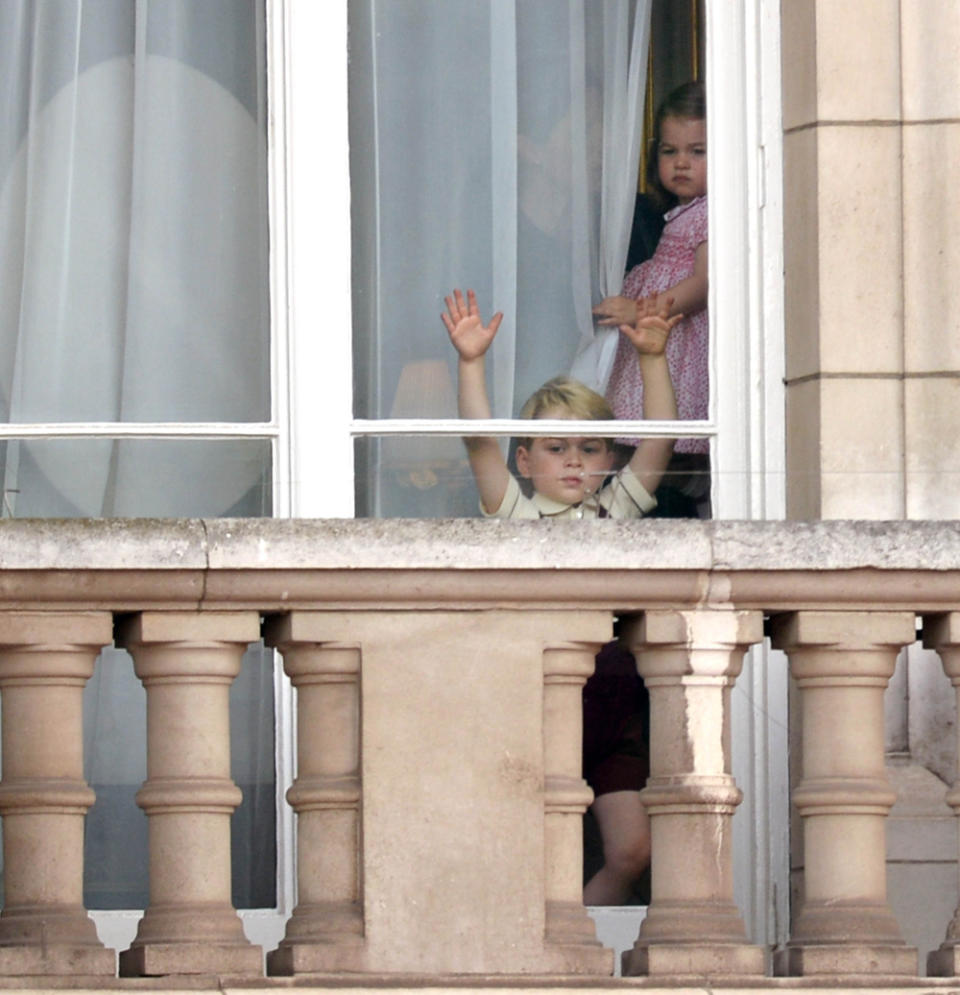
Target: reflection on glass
(133, 212)
(430, 477)
(415, 477)
(135, 478)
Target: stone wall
(871, 101)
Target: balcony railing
(438, 669)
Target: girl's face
(682, 157)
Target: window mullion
(525, 427)
(318, 247)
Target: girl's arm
(688, 296)
(619, 310)
(471, 338)
(649, 338)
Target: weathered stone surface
(467, 544)
(273, 564)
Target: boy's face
(565, 470)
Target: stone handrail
(444, 660)
(275, 564)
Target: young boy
(574, 478)
(571, 478)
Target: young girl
(678, 268)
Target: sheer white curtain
(133, 261)
(495, 145)
(133, 247)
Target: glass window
(510, 168)
(133, 214)
(139, 478)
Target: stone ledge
(345, 984)
(468, 543)
(276, 565)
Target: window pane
(134, 267)
(510, 169)
(136, 478)
(133, 212)
(408, 477)
(478, 171)
(429, 477)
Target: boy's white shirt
(622, 496)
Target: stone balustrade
(437, 668)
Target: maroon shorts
(616, 709)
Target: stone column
(566, 797)
(325, 932)
(942, 633)
(842, 662)
(46, 658)
(850, 414)
(689, 661)
(187, 661)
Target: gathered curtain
(494, 145)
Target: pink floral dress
(687, 348)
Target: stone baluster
(942, 633)
(689, 661)
(187, 662)
(325, 932)
(566, 797)
(46, 658)
(842, 662)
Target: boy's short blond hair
(569, 396)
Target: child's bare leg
(625, 831)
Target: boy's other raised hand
(470, 337)
(649, 335)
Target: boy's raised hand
(649, 335)
(470, 337)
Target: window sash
(530, 428)
(309, 152)
(311, 298)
